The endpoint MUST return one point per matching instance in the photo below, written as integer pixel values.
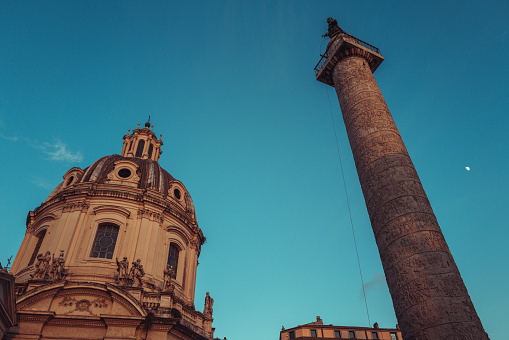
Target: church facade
(112, 254)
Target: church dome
(151, 174)
(135, 172)
(137, 168)
(118, 239)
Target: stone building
(317, 329)
(7, 308)
(112, 254)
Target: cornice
(118, 320)
(87, 191)
(34, 316)
(73, 321)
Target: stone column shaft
(429, 296)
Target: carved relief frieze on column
(428, 293)
(429, 296)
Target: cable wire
(348, 204)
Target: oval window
(176, 192)
(69, 181)
(124, 173)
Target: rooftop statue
(333, 29)
(122, 269)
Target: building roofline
(310, 325)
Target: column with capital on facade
(428, 293)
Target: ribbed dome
(152, 176)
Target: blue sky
(247, 129)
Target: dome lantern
(142, 143)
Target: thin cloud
(377, 281)
(12, 139)
(59, 152)
(55, 152)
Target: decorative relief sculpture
(73, 206)
(123, 270)
(151, 215)
(169, 274)
(41, 266)
(209, 302)
(137, 272)
(82, 305)
(57, 271)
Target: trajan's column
(429, 296)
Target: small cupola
(142, 143)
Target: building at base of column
(317, 329)
(112, 254)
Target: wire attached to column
(348, 204)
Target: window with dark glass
(313, 333)
(292, 335)
(139, 150)
(150, 149)
(105, 241)
(173, 257)
(130, 146)
(337, 334)
(40, 238)
(351, 334)
(394, 336)
(374, 335)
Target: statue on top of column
(333, 29)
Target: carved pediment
(80, 299)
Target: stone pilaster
(429, 296)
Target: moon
(468, 168)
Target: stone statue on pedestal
(137, 272)
(41, 265)
(57, 271)
(123, 269)
(169, 274)
(209, 302)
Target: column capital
(341, 46)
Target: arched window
(173, 257)
(139, 150)
(40, 238)
(150, 149)
(105, 241)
